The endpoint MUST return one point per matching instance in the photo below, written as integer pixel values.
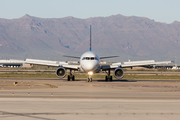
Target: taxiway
(53, 99)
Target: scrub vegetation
(81, 76)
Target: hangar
(12, 63)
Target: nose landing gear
(89, 79)
(90, 76)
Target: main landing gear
(71, 76)
(108, 77)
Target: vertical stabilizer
(90, 40)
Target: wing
(133, 64)
(52, 63)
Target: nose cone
(90, 66)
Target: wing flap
(143, 63)
(52, 63)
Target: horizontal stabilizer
(108, 57)
(71, 56)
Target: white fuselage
(90, 62)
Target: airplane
(90, 64)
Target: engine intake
(61, 72)
(119, 73)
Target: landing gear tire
(89, 80)
(108, 78)
(73, 78)
(68, 78)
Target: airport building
(23, 63)
(170, 66)
(12, 63)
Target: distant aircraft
(90, 64)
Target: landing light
(90, 73)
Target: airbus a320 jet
(90, 64)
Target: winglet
(90, 40)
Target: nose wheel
(89, 79)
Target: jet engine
(61, 72)
(119, 73)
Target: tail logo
(90, 40)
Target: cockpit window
(89, 58)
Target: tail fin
(90, 40)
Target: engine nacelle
(119, 73)
(61, 72)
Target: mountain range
(130, 37)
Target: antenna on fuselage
(90, 40)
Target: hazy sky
(160, 10)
